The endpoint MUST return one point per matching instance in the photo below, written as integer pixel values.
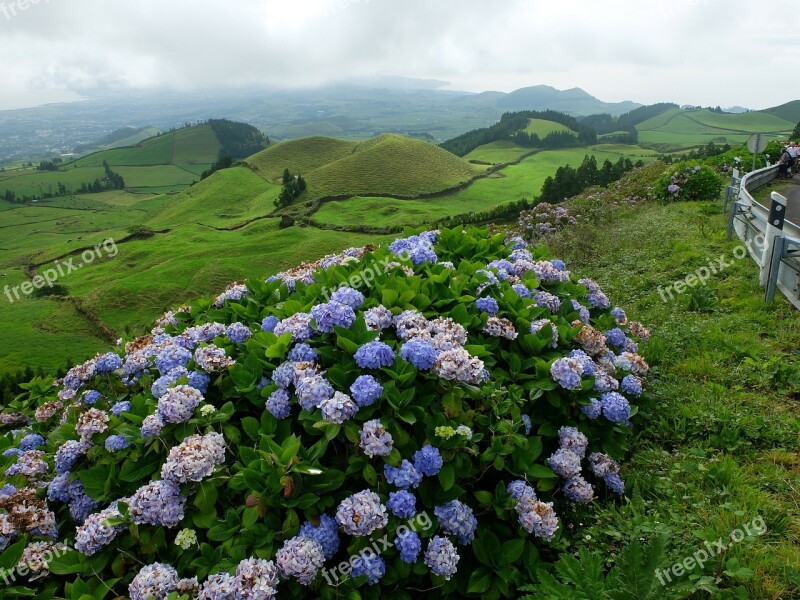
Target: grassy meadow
(717, 435)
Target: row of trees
(50, 165)
(293, 186)
(569, 181)
(512, 125)
(238, 140)
(224, 162)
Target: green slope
(299, 156)
(788, 112)
(391, 164)
(543, 128)
(684, 128)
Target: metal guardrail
(771, 240)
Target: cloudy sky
(707, 52)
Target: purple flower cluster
(178, 404)
(441, 557)
(278, 404)
(606, 468)
(362, 513)
(375, 440)
(428, 460)
(487, 305)
(157, 503)
(154, 581)
(456, 518)
(567, 372)
(402, 504)
(238, 333)
(404, 476)
(339, 408)
(536, 517)
(366, 390)
(371, 565)
(194, 459)
(333, 314)
(326, 534)
(409, 545)
(374, 355)
(301, 558)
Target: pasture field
(543, 128)
(684, 129)
(497, 153)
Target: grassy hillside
(299, 156)
(683, 129)
(496, 153)
(390, 164)
(165, 163)
(543, 128)
(127, 136)
(788, 112)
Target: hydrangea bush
(436, 415)
(687, 181)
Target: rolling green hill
(127, 136)
(391, 164)
(681, 128)
(165, 163)
(788, 112)
(543, 128)
(299, 156)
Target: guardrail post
(732, 218)
(777, 214)
(778, 252)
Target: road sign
(757, 143)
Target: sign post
(757, 144)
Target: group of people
(788, 160)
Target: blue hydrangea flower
(370, 565)
(619, 314)
(578, 490)
(349, 296)
(615, 483)
(586, 361)
(269, 323)
(283, 375)
(171, 358)
(558, 264)
(404, 476)
(570, 438)
(616, 337)
(312, 391)
(68, 453)
(362, 513)
(152, 426)
(409, 544)
(161, 385)
(238, 333)
(31, 442)
(332, 314)
(565, 463)
(403, 504)
(303, 353)
(12, 452)
(199, 380)
(593, 409)
(120, 407)
(457, 518)
(375, 440)
(441, 557)
(594, 294)
(301, 558)
(92, 397)
(338, 409)
(583, 312)
(518, 488)
(58, 488)
(157, 503)
(521, 290)
(374, 355)
(178, 404)
(567, 371)
(547, 300)
(428, 460)
(107, 363)
(630, 385)
(487, 305)
(526, 421)
(116, 443)
(366, 390)
(615, 407)
(419, 353)
(278, 404)
(326, 534)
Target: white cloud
(689, 51)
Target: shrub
(57, 289)
(440, 429)
(685, 181)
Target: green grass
(718, 429)
(390, 164)
(496, 153)
(154, 151)
(299, 156)
(544, 128)
(37, 183)
(691, 128)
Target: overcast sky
(707, 52)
